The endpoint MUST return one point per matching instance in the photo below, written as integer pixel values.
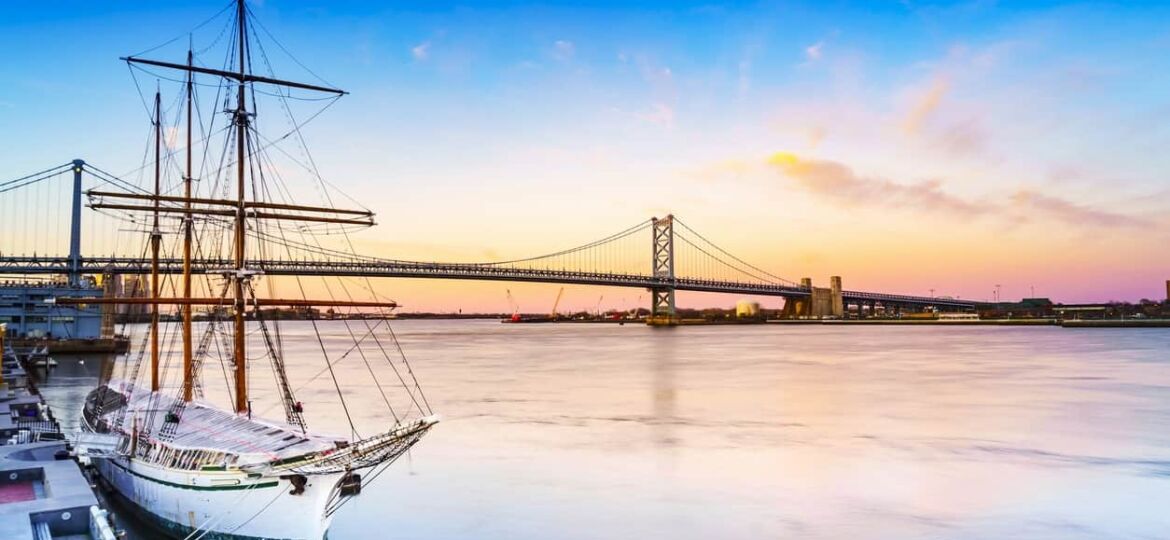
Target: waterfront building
(1027, 308)
(23, 308)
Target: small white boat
(45, 361)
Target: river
(600, 431)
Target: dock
(919, 322)
(44, 493)
(1116, 323)
(113, 345)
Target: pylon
(662, 296)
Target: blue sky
(963, 143)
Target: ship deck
(205, 427)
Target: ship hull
(227, 505)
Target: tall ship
(205, 464)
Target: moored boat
(229, 475)
(185, 463)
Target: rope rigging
(264, 186)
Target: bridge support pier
(820, 303)
(662, 311)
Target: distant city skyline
(920, 148)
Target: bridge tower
(662, 297)
(75, 227)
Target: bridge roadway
(487, 272)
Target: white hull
(228, 474)
(226, 503)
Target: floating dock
(44, 494)
(114, 345)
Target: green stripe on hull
(196, 488)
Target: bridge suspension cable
(34, 178)
(719, 257)
(626, 252)
(623, 258)
(642, 226)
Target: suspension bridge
(661, 255)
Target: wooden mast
(238, 282)
(240, 209)
(155, 240)
(188, 365)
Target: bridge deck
(487, 272)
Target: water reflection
(65, 385)
(765, 432)
(663, 356)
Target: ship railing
(355, 455)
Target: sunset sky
(906, 146)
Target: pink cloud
(925, 104)
(839, 183)
(1038, 203)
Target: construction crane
(556, 303)
(633, 314)
(597, 308)
(512, 304)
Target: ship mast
(155, 240)
(238, 209)
(238, 280)
(188, 368)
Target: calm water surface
(614, 432)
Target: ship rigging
(184, 462)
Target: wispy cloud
(422, 51)
(962, 138)
(660, 75)
(651, 71)
(663, 95)
(563, 50)
(745, 76)
(812, 53)
(1031, 202)
(925, 104)
(659, 113)
(814, 135)
(839, 183)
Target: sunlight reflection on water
(604, 431)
